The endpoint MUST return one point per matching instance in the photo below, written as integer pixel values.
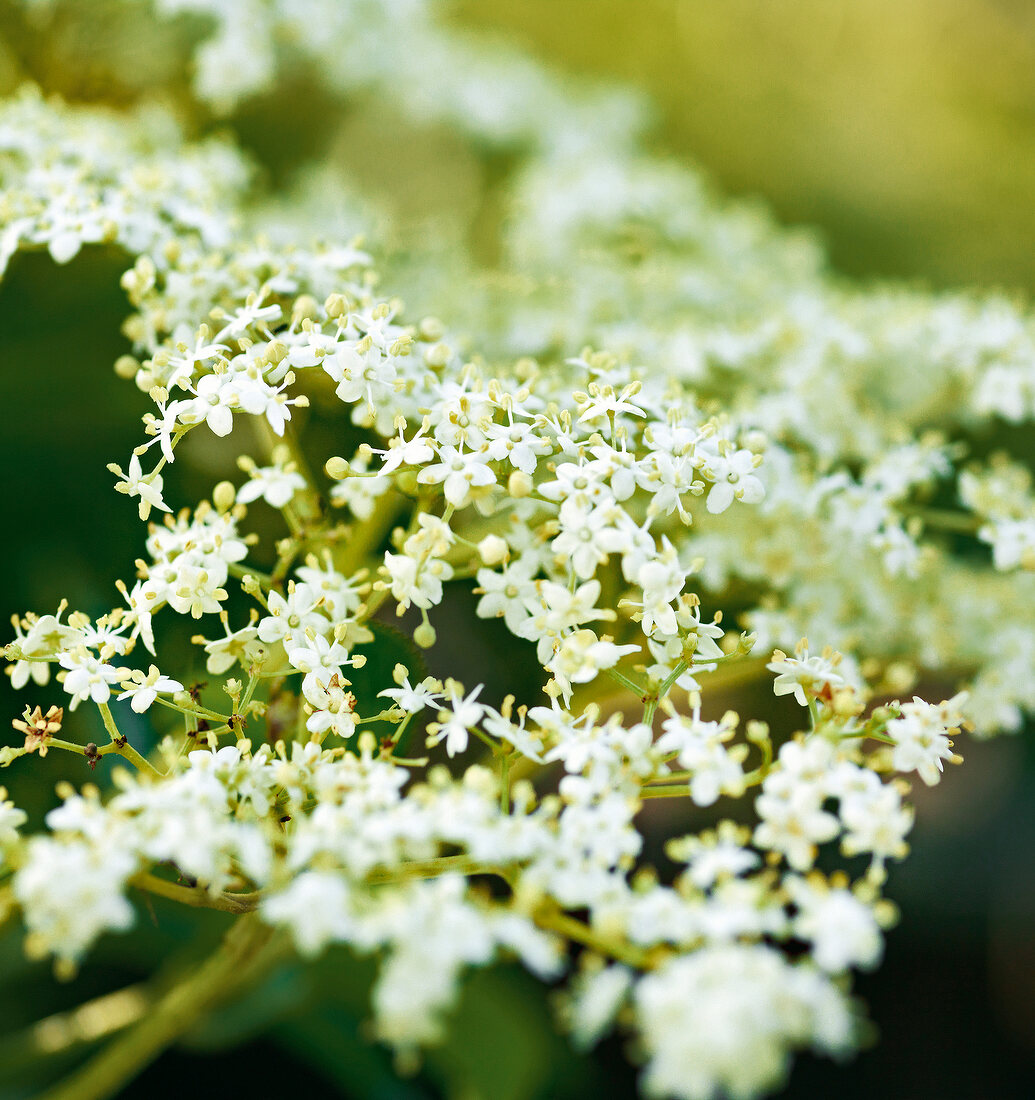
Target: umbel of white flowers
(750, 431)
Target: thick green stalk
(218, 979)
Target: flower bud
(337, 468)
(306, 307)
(438, 355)
(223, 496)
(431, 328)
(519, 484)
(493, 550)
(126, 367)
(337, 305)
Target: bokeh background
(904, 132)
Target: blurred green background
(903, 129)
(905, 133)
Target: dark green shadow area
(64, 415)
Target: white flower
(723, 1019)
(320, 660)
(409, 698)
(459, 473)
(255, 395)
(453, 724)
(508, 593)
(588, 536)
(416, 582)
(135, 484)
(142, 690)
(803, 675)
(11, 820)
(700, 749)
(45, 636)
(842, 930)
(921, 737)
(180, 366)
(362, 371)
(581, 655)
(415, 451)
(197, 591)
(335, 709)
(595, 1000)
(715, 856)
(215, 398)
(517, 443)
(793, 820)
(292, 615)
(1012, 542)
(236, 646)
(71, 891)
(734, 480)
(661, 579)
(315, 908)
(605, 403)
(88, 677)
(877, 823)
(275, 484)
(502, 728)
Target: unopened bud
(306, 307)
(223, 496)
(431, 328)
(251, 584)
(276, 350)
(126, 367)
(337, 305)
(367, 743)
(337, 468)
(519, 484)
(438, 355)
(493, 550)
(756, 732)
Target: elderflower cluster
(693, 418)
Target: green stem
(195, 711)
(628, 684)
(122, 747)
(194, 895)
(109, 724)
(141, 763)
(389, 715)
(397, 736)
(505, 783)
(556, 921)
(71, 746)
(432, 868)
(240, 571)
(881, 737)
(367, 535)
(945, 520)
(220, 977)
(86, 1023)
(663, 690)
(681, 790)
